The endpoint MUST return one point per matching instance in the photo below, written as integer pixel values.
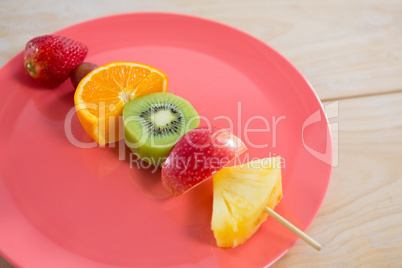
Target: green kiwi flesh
(153, 123)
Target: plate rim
(7, 256)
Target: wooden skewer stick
(293, 228)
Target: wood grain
(344, 48)
(349, 51)
(360, 222)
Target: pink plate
(63, 205)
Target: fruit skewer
(293, 228)
(51, 59)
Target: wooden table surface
(351, 52)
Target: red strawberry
(49, 59)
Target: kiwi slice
(153, 123)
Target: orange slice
(101, 95)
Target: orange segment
(101, 95)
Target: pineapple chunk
(240, 195)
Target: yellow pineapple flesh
(240, 195)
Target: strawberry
(49, 59)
